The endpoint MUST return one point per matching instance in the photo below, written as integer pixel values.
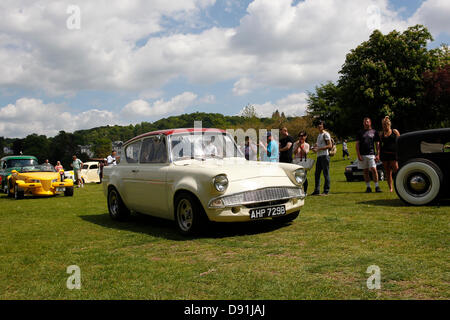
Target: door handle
(134, 171)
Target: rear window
(132, 152)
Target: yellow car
(38, 180)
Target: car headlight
(220, 182)
(300, 175)
(348, 169)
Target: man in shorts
(367, 149)
(77, 164)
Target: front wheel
(68, 192)
(189, 214)
(418, 182)
(116, 207)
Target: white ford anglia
(193, 176)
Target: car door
(150, 191)
(93, 173)
(127, 172)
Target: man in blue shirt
(271, 151)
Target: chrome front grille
(258, 196)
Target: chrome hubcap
(418, 184)
(184, 214)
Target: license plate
(60, 189)
(267, 212)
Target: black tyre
(190, 217)
(18, 194)
(418, 182)
(68, 192)
(287, 218)
(116, 207)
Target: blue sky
(117, 62)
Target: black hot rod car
(424, 166)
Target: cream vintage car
(193, 176)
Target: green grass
(323, 254)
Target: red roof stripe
(169, 132)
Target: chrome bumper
(256, 196)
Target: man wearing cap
(321, 147)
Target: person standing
(112, 159)
(271, 151)
(286, 146)
(250, 149)
(345, 150)
(301, 149)
(367, 149)
(321, 147)
(388, 138)
(58, 166)
(77, 164)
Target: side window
(132, 152)
(94, 166)
(427, 147)
(447, 147)
(154, 150)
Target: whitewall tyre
(418, 182)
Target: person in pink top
(58, 166)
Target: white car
(176, 174)
(89, 172)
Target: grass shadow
(166, 229)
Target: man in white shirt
(321, 147)
(112, 159)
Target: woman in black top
(388, 139)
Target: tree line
(65, 144)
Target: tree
(437, 96)
(383, 76)
(249, 112)
(323, 104)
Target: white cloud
(435, 14)
(28, 116)
(292, 105)
(141, 108)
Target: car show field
(323, 254)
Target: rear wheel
(190, 217)
(418, 182)
(116, 207)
